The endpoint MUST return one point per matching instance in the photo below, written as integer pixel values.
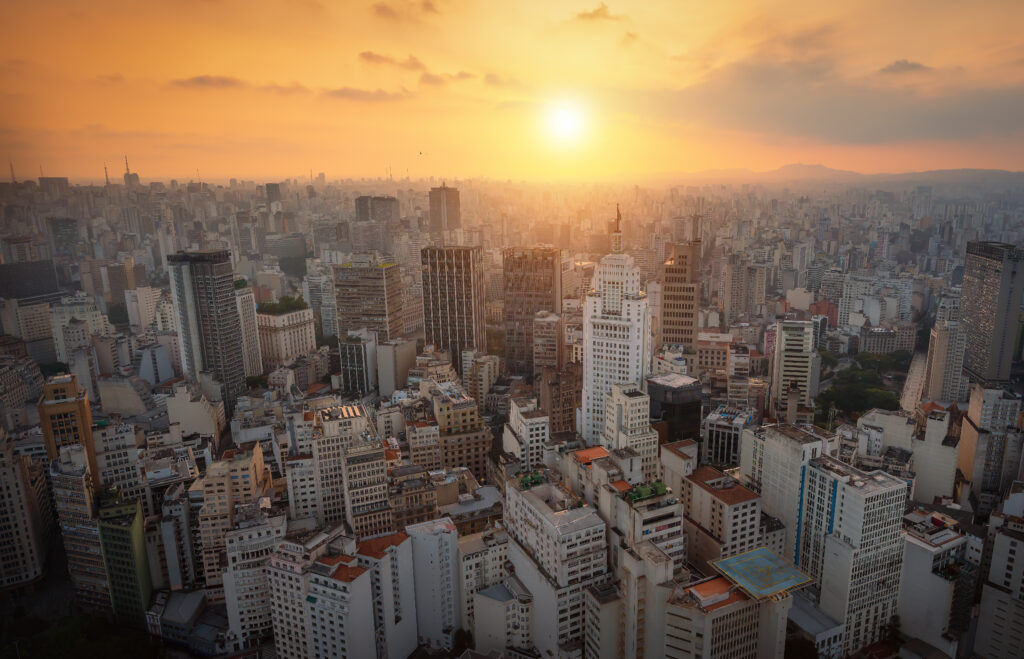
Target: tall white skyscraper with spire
(617, 338)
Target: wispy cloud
(411, 62)
(438, 79)
(403, 10)
(211, 82)
(366, 95)
(599, 13)
(902, 66)
(496, 80)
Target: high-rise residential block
(722, 517)
(526, 433)
(627, 426)
(123, 540)
(435, 568)
(209, 329)
(23, 547)
(560, 395)
(369, 294)
(445, 209)
(796, 365)
(680, 295)
(454, 293)
(533, 283)
(993, 287)
(66, 418)
(851, 545)
(548, 341)
(772, 460)
(252, 359)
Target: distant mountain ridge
(819, 172)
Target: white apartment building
(389, 559)
(248, 546)
(627, 425)
(650, 513)
(340, 622)
(937, 582)
(796, 363)
(526, 432)
(772, 459)
(482, 559)
(720, 435)
(82, 307)
(617, 336)
(558, 549)
(851, 544)
(713, 618)
(288, 575)
(505, 619)
(1001, 619)
(435, 557)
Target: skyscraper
(369, 295)
(445, 210)
(616, 334)
(66, 419)
(681, 295)
(992, 290)
(209, 329)
(251, 356)
(796, 365)
(533, 282)
(454, 290)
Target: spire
(11, 163)
(126, 170)
(106, 176)
(617, 234)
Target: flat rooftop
(760, 573)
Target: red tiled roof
(377, 547)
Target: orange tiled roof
(377, 547)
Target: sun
(565, 122)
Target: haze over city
(457, 329)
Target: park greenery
(862, 386)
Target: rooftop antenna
(106, 177)
(126, 170)
(618, 219)
(11, 163)
(40, 169)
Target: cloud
(111, 78)
(902, 66)
(599, 13)
(438, 79)
(366, 95)
(411, 62)
(403, 10)
(799, 90)
(629, 38)
(293, 88)
(210, 82)
(496, 80)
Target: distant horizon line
(797, 171)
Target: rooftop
(760, 573)
(377, 547)
(721, 486)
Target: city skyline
(569, 91)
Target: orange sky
(455, 88)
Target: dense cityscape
(393, 418)
(462, 329)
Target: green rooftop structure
(123, 541)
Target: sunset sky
(523, 89)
